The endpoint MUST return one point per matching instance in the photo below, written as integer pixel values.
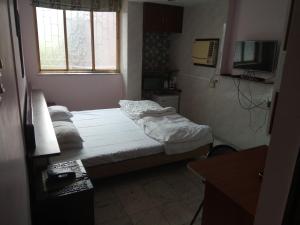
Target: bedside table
(69, 202)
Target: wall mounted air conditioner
(205, 52)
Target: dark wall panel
(14, 198)
(17, 50)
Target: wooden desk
(232, 186)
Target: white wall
(124, 45)
(132, 49)
(218, 106)
(135, 50)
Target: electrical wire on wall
(246, 101)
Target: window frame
(78, 71)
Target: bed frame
(39, 126)
(126, 166)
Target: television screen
(256, 55)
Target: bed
(109, 136)
(115, 144)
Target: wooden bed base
(111, 169)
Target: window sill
(76, 73)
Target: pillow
(67, 135)
(59, 113)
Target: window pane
(105, 32)
(249, 55)
(51, 38)
(79, 39)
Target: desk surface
(236, 175)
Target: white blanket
(139, 109)
(172, 129)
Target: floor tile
(184, 187)
(149, 217)
(193, 206)
(176, 214)
(196, 179)
(133, 198)
(198, 221)
(119, 221)
(159, 192)
(167, 195)
(108, 211)
(104, 194)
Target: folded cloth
(172, 129)
(158, 112)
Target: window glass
(249, 55)
(105, 33)
(51, 38)
(79, 39)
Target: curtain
(86, 5)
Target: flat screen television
(256, 55)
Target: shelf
(249, 78)
(163, 92)
(44, 134)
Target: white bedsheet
(109, 136)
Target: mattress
(109, 136)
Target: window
(77, 40)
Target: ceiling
(173, 2)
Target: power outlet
(213, 83)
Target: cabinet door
(173, 17)
(153, 17)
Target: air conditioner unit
(205, 52)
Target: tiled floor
(168, 195)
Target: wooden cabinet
(173, 19)
(67, 202)
(162, 18)
(153, 18)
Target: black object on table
(68, 201)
